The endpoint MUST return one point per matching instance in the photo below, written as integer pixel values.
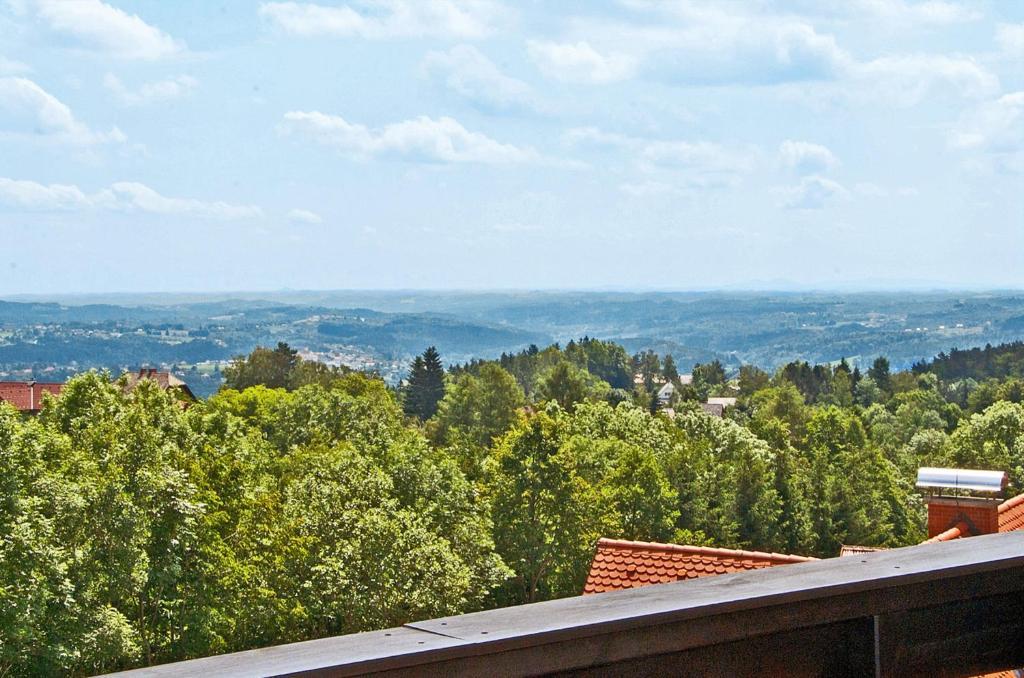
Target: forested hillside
(195, 337)
(303, 501)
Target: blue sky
(199, 145)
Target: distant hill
(383, 330)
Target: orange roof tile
(959, 530)
(630, 564)
(1011, 514)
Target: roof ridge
(701, 550)
(954, 532)
(1013, 502)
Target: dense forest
(303, 501)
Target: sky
(489, 144)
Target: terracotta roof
(27, 396)
(630, 564)
(854, 550)
(1011, 514)
(1011, 518)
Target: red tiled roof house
(621, 565)
(27, 396)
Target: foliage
(303, 502)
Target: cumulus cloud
(96, 25)
(151, 92)
(579, 62)
(304, 217)
(806, 158)
(122, 196)
(715, 43)
(424, 139)
(812, 193)
(26, 109)
(699, 43)
(467, 72)
(383, 19)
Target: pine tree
(669, 369)
(879, 371)
(425, 386)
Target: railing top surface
(583, 616)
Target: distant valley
(381, 331)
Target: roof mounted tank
(959, 479)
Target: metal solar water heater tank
(954, 502)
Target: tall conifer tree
(425, 387)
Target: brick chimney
(949, 508)
(974, 516)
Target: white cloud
(695, 43)
(382, 19)
(812, 193)
(908, 79)
(714, 43)
(466, 71)
(668, 165)
(994, 129)
(995, 125)
(11, 67)
(579, 62)
(132, 195)
(151, 92)
(31, 195)
(420, 139)
(26, 109)
(102, 27)
(806, 158)
(120, 196)
(304, 217)
(1010, 38)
